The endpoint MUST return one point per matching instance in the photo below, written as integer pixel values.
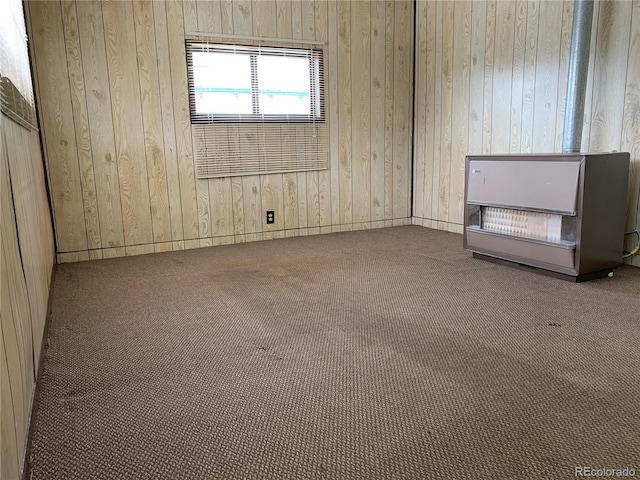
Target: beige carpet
(387, 353)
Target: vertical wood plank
(631, 129)
(429, 178)
(529, 78)
(226, 16)
(57, 118)
(168, 120)
(202, 185)
(563, 72)
(489, 53)
(152, 119)
(437, 115)
(265, 24)
(609, 90)
(289, 180)
(81, 123)
(184, 149)
(209, 16)
(476, 93)
(310, 178)
(127, 121)
(377, 86)
(517, 82)
(460, 107)
(361, 111)
(546, 89)
(389, 108)
(103, 149)
(502, 77)
(446, 80)
(324, 176)
(344, 111)
(332, 99)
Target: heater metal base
(549, 273)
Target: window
(16, 92)
(254, 83)
(256, 108)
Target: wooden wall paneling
(586, 127)
(311, 178)
(226, 16)
(476, 82)
(209, 16)
(437, 125)
(168, 121)
(265, 24)
(289, 180)
(489, 52)
(361, 110)
(182, 121)
(389, 55)
(420, 100)
(251, 194)
(612, 54)
(152, 119)
(190, 19)
(344, 112)
(81, 123)
(16, 326)
(9, 450)
(529, 77)
(300, 177)
(502, 77)
(631, 130)
(517, 82)
(563, 72)
(127, 121)
(332, 99)
(377, 89)
(236, 184)
(103, 150)
(402, 109)
(546, 88)
(429, 72)
(57, 122)
(446, 80)
(31, 209)
(324, 176)
(460, 108)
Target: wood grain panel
(182, 122)
(503, 75)
(446, 93)
(519, 56)
(361, 111)
(460, 107)
(612, 55)
(127, 121)
(344, 112)
(152, 119)
(57, 119)
(160, 138)
(631, 130)
(377, 91)
(168, 121)
(103, 149)
(81, 123)
(546, 87)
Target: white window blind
(16, 91)
(256, 108)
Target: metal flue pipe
(578, 70)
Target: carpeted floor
(386, 353)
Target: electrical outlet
(271, 217)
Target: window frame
(316, 82)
